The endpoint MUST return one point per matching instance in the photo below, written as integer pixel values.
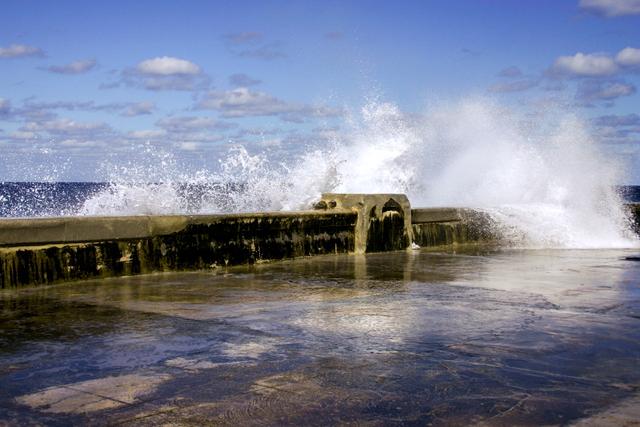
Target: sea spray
(544, 180)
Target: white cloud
(139, 109)
(167, 66)
(616, 90)
(163, 73)
(23, 135)
(612, 7)
(67, 126)
(242, 80)
(189, 146)
(585, 65)
(191, 123)
(20, 50)
(5, 106)
(243, 102)
(628, 57)
(76, 67)
(79, 143)
(591, 91)
(147, 134)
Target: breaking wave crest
(542, 178)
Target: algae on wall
(201, 244)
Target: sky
(81, 82)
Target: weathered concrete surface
(39, 231)
(384, 220)
(494, 338)
(63, 249)
(93, 395)
(444, 214)
(450, 226)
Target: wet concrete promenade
(403, 338)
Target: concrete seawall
(49, 250)
(41, 251)
(634, 208)
(450, 226)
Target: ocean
(581, 221)
(45, 199)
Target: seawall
(634, 208)
(41, 251)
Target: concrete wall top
(38, 231)
(426, 215)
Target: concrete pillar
(384, 220)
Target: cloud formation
(5, 107)
(76, 67)
(618, 120)
(139, 109)
(65, 126)
(146, 134)
(591, 91)
(163, 73)
(242, 102)
(628, 57)
(595, 65)
(242, 80)
(167, 66)
(20, 51)
(589, 65)
(67, 133)
(181, 124)
(186, 132)
(32, 110)
(252, 45)
(618, 129)
(611, 8)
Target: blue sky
(82, 80)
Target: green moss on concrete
(225, 240)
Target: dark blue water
(31, 199)
(34, 199)
(43, 199)
(630, 193)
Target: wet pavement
(407, 338)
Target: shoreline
(41, 251)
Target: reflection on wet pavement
(487, 338)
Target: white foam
(543, 179)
